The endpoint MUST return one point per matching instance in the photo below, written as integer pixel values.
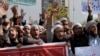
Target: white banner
(87, 51)
(95, 6)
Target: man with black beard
(78, 39)
(93, 37)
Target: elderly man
(27, 29)
(35, 32)
(93, 38)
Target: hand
(89, 5)
(31, 21)
(54, 8)
(3, 8)
(22, 13)
(55, 5)
(44, 14)
(19, 45)
(5, 5)
(15, 10)
(39, 42)
(1, 30)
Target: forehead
(93, 25)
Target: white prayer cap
(33, 26)
(89, 24)
(27, 26)
(21, 27)
(55, 27)
(63, 19)
(76, 24)
(41, 27)
(57, 22)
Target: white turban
(89, 24)
(62, 19)
(21, 27)
(41, 27)
(57, 22)
(33, 26)
(77, 24)
(27, 26)
(55, 27)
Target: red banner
(50, 49)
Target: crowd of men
(14, 32)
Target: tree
(62, 11)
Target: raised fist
(22, 12)
(15, 10)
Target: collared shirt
(94, 41)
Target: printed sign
(95, 6)
(87, 51)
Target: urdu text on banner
(49, 49)
(95, 6)
(87, 51)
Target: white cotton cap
(89, 24)
(55, 27)
(76, 24)
(62, 19)
(33, 26)
(21, 27)
(27, 26)
(57, 22)
(41, 27)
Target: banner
(95, 6)
(22, 2)
(50, 49)
(87, 51)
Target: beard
(94, 34)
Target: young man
(13, 36)
(78, 39)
